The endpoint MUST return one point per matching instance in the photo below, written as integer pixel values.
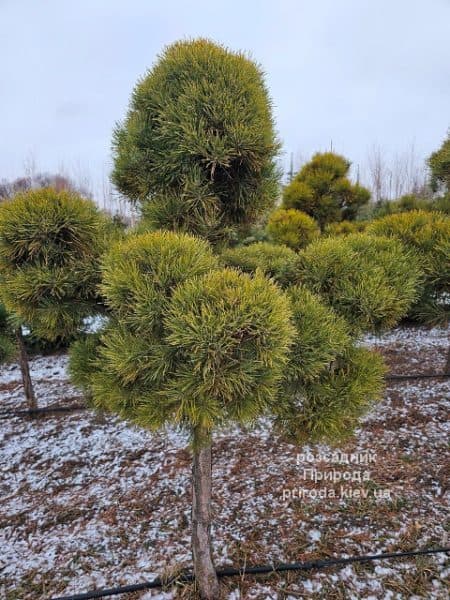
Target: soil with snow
(88, 501)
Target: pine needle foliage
(329, 406)
(406, 203)
(140, 273)
(323, 190)
(83, 363)
(320, 336)
(344, 228)
(280, 263)
(372, 281)
(197, 148)
(329, 381)
(426, 234)
(292, 227)
(7, 344)
(439, 164)
(50, 245)
(189, 344)
(233, 334)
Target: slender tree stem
(25, 369)
(204, 570)
(447, 364)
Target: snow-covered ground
(88, 501)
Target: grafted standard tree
(50, 245)
(190, 345)
(189, 342)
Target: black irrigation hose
(29, 412)
(419, 376)
(259, 570)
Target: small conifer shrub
(292, 227)
(344, 228)
(370, 280)
(427, 235)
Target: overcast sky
(357, 72)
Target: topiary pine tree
(323, 190)
(188, 342)
(292, 228)
(196, 150)
(50, 245)
(439, 164)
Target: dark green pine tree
(323, 190)
(439, 164)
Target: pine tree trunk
(447, 364)
(205, 573)
(25, 369)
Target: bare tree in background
(391, 178)
(78, 181)
(378, 173)
(77, 178)
(9, 188)
(114, 203)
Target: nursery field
(88, 501)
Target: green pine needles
(320, 336)
(292, 228)
(8, 347)
(370, 280)
(323, 190)
(439, 164)
(197, 148)
(199, 336)
(189, 344)
(329, 406)
(275, 261)
(50, 244)
(427, 235)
